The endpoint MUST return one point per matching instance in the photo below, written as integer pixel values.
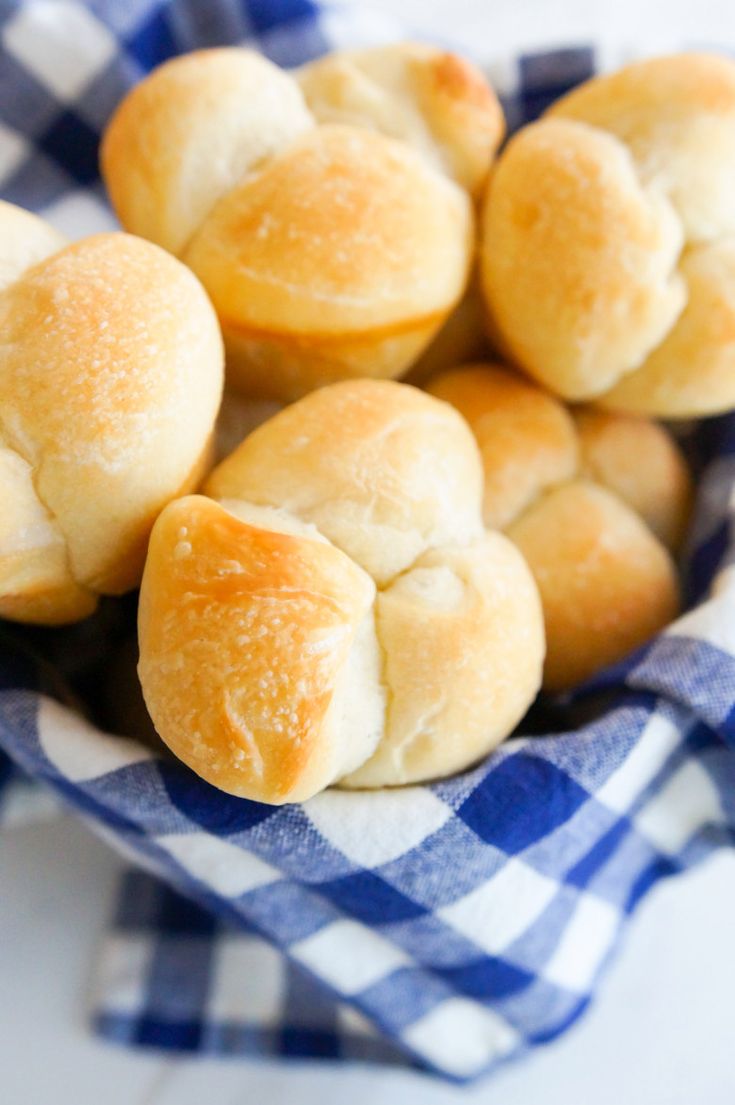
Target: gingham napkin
(453, 925)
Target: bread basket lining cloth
(450, 926)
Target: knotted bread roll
(608, 240)
(338, 612)
(434, 100)
(328, 251)
(110, 379)
(592, 500)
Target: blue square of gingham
(449, 926)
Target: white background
(662, 1030)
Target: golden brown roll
(462, 339)
(110, 379)
(607, 240)
(527, 439)
(432, 99)
(640, 461)
(676, 115)
(598, 550)
(329, 252)
(340, 610)
(360, 461)
(607, 584)
(191, 131)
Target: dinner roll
(340, 258)
(428, 97)
(339, 612)
(462, 648)
(384, 472)
(329, 252)
(676, 115)
(607, 240)
(607, 585)
(462, 338)
(597, 549)
(191, 131)
(527, 439)
(640, 461)
(578, 259)
(110, 379)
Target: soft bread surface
(193, 129)
(260, 624)
(457, 637)
(527, 439)
(607, 585)
(598, 550)
(330, 252)
(607, 240)
(384, 472)
(24, 241)
(110, 379)
(343, 586)
(337, 254)
(434, 100)
(578, 258)
(676, 115)
(641, 463)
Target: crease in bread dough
(254, 169)
(290, 522)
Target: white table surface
(661, 1031)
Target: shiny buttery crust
(110, 379)
(607, 244)
(243, 635)
(430, 98)
(344, 569)
(588, 551)
(341, 257)
(330, 252)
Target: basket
(450, 926)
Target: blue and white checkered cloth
(451, 926)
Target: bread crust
(110, 380)
(364, 496)
(189, 132)
(430, 98)
(607, 240)
(330, 252)
(595, 501)
(607, 585)
(243, 634)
